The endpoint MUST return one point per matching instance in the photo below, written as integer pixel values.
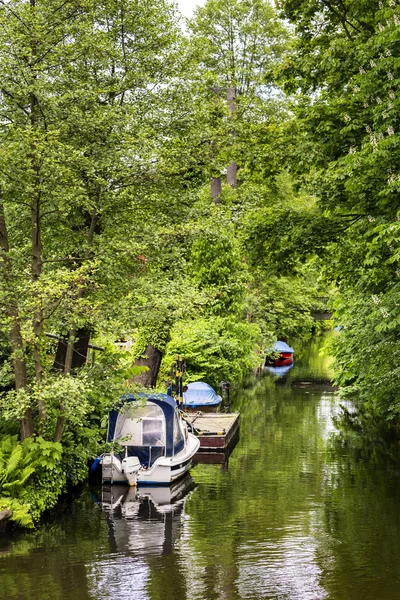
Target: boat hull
(284, 360)
(164, 471)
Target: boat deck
(214, 430)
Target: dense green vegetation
(197, 189)
(343, 74)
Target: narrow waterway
(297, 512)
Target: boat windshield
(177, 429)
(141, 426)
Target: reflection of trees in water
(311, 359)
(258, 514)
(361, 518)
(49, 562)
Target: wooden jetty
(214, 457)
(215, 431)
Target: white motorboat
(152, 443)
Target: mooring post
(226, 387)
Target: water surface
(298, 512)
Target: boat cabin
(146, 426)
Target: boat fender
(96, 463)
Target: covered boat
(153, 445)
(200, 396)
(285, 357)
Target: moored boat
(200, 396)
(153, 444)
(284, 358)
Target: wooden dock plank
(214, 430)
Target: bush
(31, 477)
(214, 349)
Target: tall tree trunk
(216, 189)
(69, 356)
(36, 227)
(151, 359)
(216, 183)
(36, 273)
(231, 173)
(19, 364)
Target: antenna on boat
(179, 368)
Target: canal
(298, 511)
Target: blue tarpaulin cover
(283, 347)
(200, 394)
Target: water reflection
(280, 371)
(142, 522)
(145, 520)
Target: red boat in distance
(285, 357)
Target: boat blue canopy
(200, 394)
(283, 347)
(174, 441)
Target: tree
(236, 46)
(79, 83)
(345, 70)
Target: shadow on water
(302, 512)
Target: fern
(31, 478)
(13, 461)
(9, 488)
(21, 512)
(16, 465)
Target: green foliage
(31, 478)
(343, 72)
(217, 267)
(214, 349)
(113, 122)
(238, 44)
(94, 389)
(156, 333)
(367, 353)
(283, 306)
